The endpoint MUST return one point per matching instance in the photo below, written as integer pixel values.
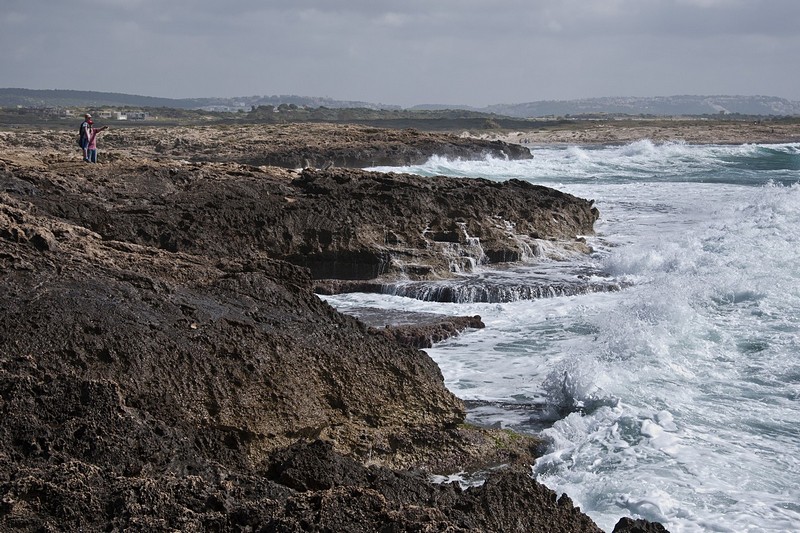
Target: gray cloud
(404, 52)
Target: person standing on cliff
(91, 147)
(85, 134)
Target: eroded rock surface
(123, 363)
(284, 145)
(164, 367)
(426, 334)
(339, 223)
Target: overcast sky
(404, 52)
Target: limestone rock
(164, 367)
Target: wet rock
(380, 500)
(630, 525)
(425, 335)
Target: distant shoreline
(530, 129)
(665, 130)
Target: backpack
(81, 136)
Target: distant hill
(684, 105)
(442, 107)
(312, 101)
(661, 105)
(11, 97)
(69, 98)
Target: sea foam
(675, 398)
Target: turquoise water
(676, 398)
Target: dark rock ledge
(165, 366)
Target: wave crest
(571, 388)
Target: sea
(662, 370)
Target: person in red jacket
(91, 147)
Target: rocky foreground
(165, 364)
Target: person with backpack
(84, 133)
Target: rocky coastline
(166, 364)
